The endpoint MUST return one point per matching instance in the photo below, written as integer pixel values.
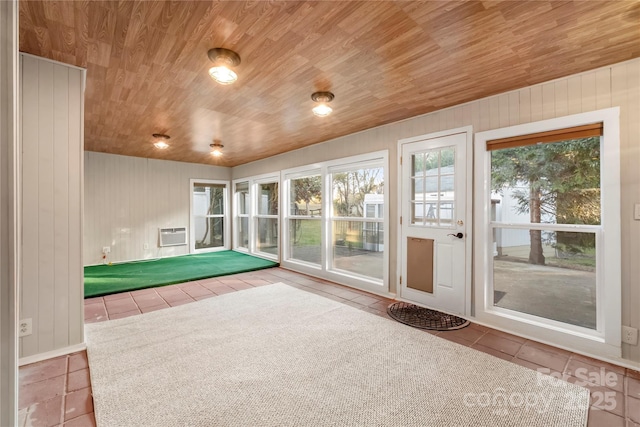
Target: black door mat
(424, 318)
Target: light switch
(636, 212)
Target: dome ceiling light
(322, 98)
(217, 148)
(161, 141)
(223, 60)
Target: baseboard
(624, 363)
(51, 354)
(335, 278)
(259, 255)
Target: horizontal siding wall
(616, 85)
(128, 198)
(51, 288)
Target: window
(547, 212)
(242, 215)
(256, 216)
(432, 192)
(547, 188)
(266, 218)
(305, 214)
(335, 219)
(357, 229)
(208, 215)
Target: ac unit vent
(173, 236)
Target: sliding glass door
(335, 218)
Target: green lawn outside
(305, 232)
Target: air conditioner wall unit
(176, 236)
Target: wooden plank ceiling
(147, 64)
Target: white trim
(10, 219)
(606, 341)
(287, 176)
(547, 226)
(255, 216)
(235, 215)
(51, 354)
(468, 215)
(257, 254)
(346, 167)
(80, 272)
(302, 171)
(434, 135)
(357, 219)
(265, 177)
(225, 216)
(355, 160)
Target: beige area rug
(279, 356)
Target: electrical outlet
(26, 328)
(145, 246)
(630, 335)
(106, 249)
(636, 211)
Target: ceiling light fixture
(217, 148)
(322, 109)
(161, 140)
(223, 59)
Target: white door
(436, 225)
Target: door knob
(458, 235)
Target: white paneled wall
(616, 85)
(128, 198)
(51, 289)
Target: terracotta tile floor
(58, 391)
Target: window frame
(226, 226)
(237, 216)
(341, 168)
(288, 175)
(438, 222)
(606, 339)
(252, 210)
(256, 215)
(324, 270)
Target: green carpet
(109, 279)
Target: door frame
(468, 214)
(226, 217)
